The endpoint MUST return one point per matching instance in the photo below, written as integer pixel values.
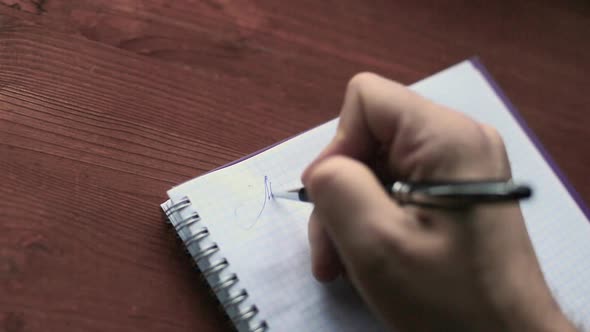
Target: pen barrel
(458, 193)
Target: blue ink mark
(268, 195)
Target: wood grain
(536, 50)
(104, 105)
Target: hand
(422, 269)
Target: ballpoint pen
(441, 193)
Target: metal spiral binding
(250, 312)
(243, 317)
(236, 299)
(225, 283)
(211, 270)
(205, 252)
(181, 204)
(216, 267)
(261, 327)
(193, 219)
(196, 237)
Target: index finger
(375, 109)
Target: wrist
(535, 310)
(520, 295)
(555, 321)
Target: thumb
(354, 209)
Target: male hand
(422, 269)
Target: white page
(265, 240)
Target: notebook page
(265, 239)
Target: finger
(378, 113)
(325, 263)
(353, 207)
(374, 109)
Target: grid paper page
(265, 239)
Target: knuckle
(479, 138)
(361, 80)
(495, 138)
(324, 174)
(498, 151)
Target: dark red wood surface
(104, 105)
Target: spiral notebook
(253, 249)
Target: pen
(441, 193)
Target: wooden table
(104, 105)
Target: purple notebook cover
(486, 74)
